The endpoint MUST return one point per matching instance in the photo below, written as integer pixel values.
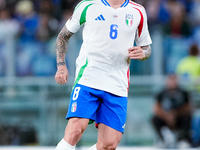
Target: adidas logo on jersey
(100, 18)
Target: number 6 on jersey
(113, 31)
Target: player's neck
(115, 3)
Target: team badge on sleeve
(129, 19)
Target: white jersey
(108, 33)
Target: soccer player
(102, 67)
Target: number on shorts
(76, 93)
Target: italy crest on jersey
(129, 19)
(74, 106)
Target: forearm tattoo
(147, 51)
(62, 45)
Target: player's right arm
(61, 50)
(72, 26)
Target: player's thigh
(108, 138)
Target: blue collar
(107, 4)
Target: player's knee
(75, 133)
(75, 128)
(110, 144)
(109, 147)
(72, 136)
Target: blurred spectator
(194, 14)
(2, 4)
(171, 14)
(7, 22)
(157, 12)
(188, 68)
(188, 4)
(27, 46)
(153, 8)
(47, 27)
(194, 18)
(172, 115)
(178, 25)
(46, 7)
(9, 28)
(28, 19)
(44, 61)
(164, 13)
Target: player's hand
(62, 74)
(136, 52)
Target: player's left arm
(139, 52)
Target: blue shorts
(98, 105)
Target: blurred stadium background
(33, 106)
